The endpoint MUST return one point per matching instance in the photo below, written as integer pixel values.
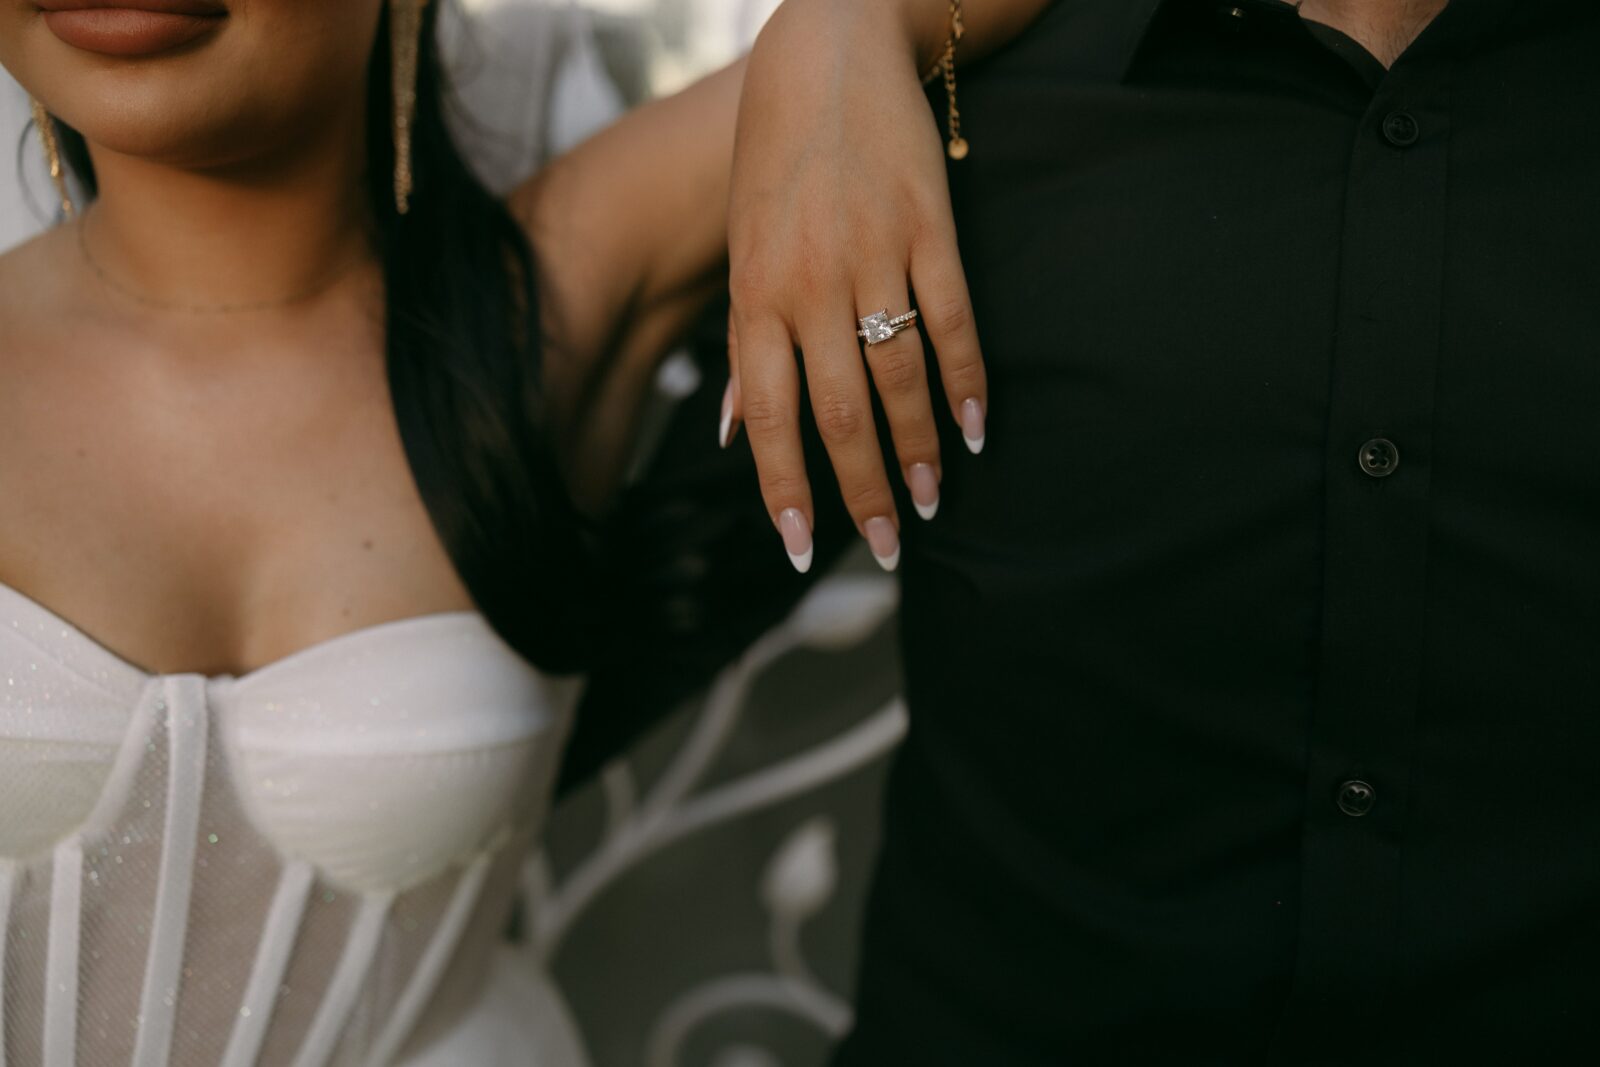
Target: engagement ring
(879, 327)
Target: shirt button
(1400, 129)
(1379, 457)
(1356, 797)
(1231, 18)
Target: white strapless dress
(308, 865)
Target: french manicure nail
(884, 540)
(796, 538)
(924, 483)
(972, 425)
(725, 430)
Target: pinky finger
(941, 288)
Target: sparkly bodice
(306, 865)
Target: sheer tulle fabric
(308, 865)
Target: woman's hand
(840, 208)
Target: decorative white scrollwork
(800, 880)
(801, 877)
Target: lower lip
(120, 31)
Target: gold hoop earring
(52, 154)
(405, 47)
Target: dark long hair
(463, 344)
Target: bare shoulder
(15, 267)
(31, 291)
(18, 263)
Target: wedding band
(879, 327)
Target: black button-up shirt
(1253, 666)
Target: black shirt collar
(1122, 25)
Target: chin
(200, 113)
(155, 118)
(225, 87)
(139, 105)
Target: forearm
(635, 217)
(919, 26)
(630, 233)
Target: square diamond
(876, 328)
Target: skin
(211, 492)
(1385, 28)
(840, 207)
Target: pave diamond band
(879, 327)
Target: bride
(302, 434)
(283, 535)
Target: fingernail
(884, 540)
(972, 425)
(796, 538)
(725, 431)
(924, 482)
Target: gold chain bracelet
(947, 66)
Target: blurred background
(699, 905)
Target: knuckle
(963, 374)
(765, 414)
(918, 445)
(949, 316)
(820, 280)
(866, 499)
(811, 284)
(932, 227)
(783, 487)
(923, 232)
(814, 265)
(899, 370)
(750, 285)
(838, 418)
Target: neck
(1386, 28)
(249, 234)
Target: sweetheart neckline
(316, 647)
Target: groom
(1252, 668)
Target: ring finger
(900, 373)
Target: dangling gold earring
(52, 153)
(405, 46)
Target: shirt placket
(1378, 461)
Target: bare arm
(630, 233)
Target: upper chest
(211, 511)
(1385, 28)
